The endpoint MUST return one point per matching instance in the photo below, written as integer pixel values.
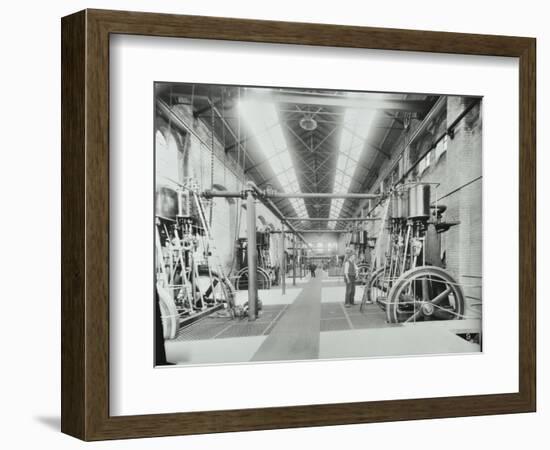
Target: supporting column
(301, 258)
(283, 259)
(294, 261)
(252, 255)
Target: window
(441, 148)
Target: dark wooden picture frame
(85, 224)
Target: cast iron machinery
(190, 278)
(412, 284)
(266, 274)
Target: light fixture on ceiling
(308, 123)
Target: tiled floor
(380, 342)
(335, 317)
(272, 296)
(213, 351)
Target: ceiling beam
(351, 101)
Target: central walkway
(296, 335)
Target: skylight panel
(342, 164)
(354, 133)
(346, 181)
(355, 151)
(262, 121)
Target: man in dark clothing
(350, 274)
(312, 268)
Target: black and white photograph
(275, 225)
(296, 224)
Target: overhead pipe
(208, 193)
(266, 199)
(259, 193)
(269, 195)
(273, 208)
(320, 195)
(345, 230)
(327, 219)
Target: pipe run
(320, 195)
(316, 231)
(265, 195)
(208, 193)
(327, 219)
(273, 208)
(266, 200)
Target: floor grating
(223, 327)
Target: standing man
(350, 274)
(312, 268)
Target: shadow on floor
(52, 422)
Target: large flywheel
(425, 293)
(263, 279)
(214, 288)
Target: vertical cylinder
(419, 201)
(283, 260)
(252, 255)
(180, 202)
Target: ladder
(211, 251)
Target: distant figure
(350, 274)
(312, 268)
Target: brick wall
(458, 169)
(462, 195)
